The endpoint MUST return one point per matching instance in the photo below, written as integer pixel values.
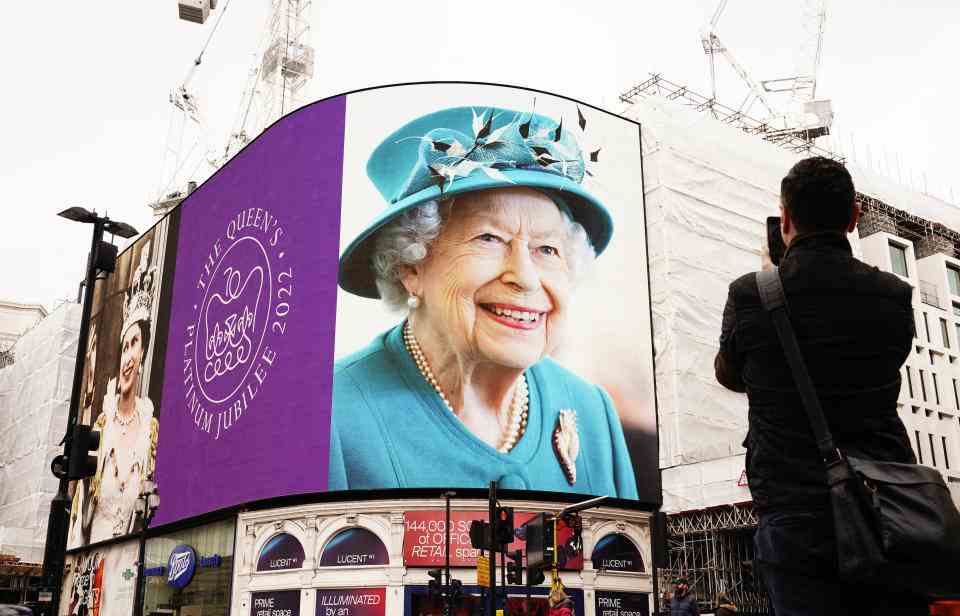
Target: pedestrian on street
(854, 325)
(683, 602)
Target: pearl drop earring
(413, 302)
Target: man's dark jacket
(855, 327)
(684, 606)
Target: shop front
(373, 558)
(189, 572)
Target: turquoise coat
(391, 430)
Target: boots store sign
(182, 566)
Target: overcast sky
(86, 86)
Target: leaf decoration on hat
(452, 149)
(485, 131)
(524, 129)
(436, 177)
(496, 141)
(584, 139)
(478, 121)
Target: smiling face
(131, 356)
(496, 283)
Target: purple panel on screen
(246, 398)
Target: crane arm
(717, 13)
(821, 25)
(744, 75)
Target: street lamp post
(58, 520)
(145, 506)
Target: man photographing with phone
(854, 325)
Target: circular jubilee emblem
(181, 566)
(243, 296)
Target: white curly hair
(406, 241)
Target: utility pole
(447, 590)
(58, 522)
(54, 552)
(492, 597)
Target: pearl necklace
(513, 419)
(124, 423)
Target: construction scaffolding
(927, 236)
(797, 140)
(713, 549)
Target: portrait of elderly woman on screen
(486, 233)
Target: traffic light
(504, 526)
(435, 585)
(535, 576)
(106, 256)
(514, 567)
(81, 463)
(539, 534)
(58, 466)
(480, 535)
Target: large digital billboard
(421, 286)
(121, 386)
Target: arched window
(282, 552)
(616, 552)
(354, 546)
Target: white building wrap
(34, 402)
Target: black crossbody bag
(895, 523)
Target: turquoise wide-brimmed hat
(466, 149)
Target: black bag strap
(775, 302)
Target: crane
(282, 66)
(187, 131)
(802, 113)
(281, 69)
(712, 45)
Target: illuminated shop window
(188, 572)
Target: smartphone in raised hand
(775, 245)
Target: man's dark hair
(818, 193)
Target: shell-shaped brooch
(566, 443)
